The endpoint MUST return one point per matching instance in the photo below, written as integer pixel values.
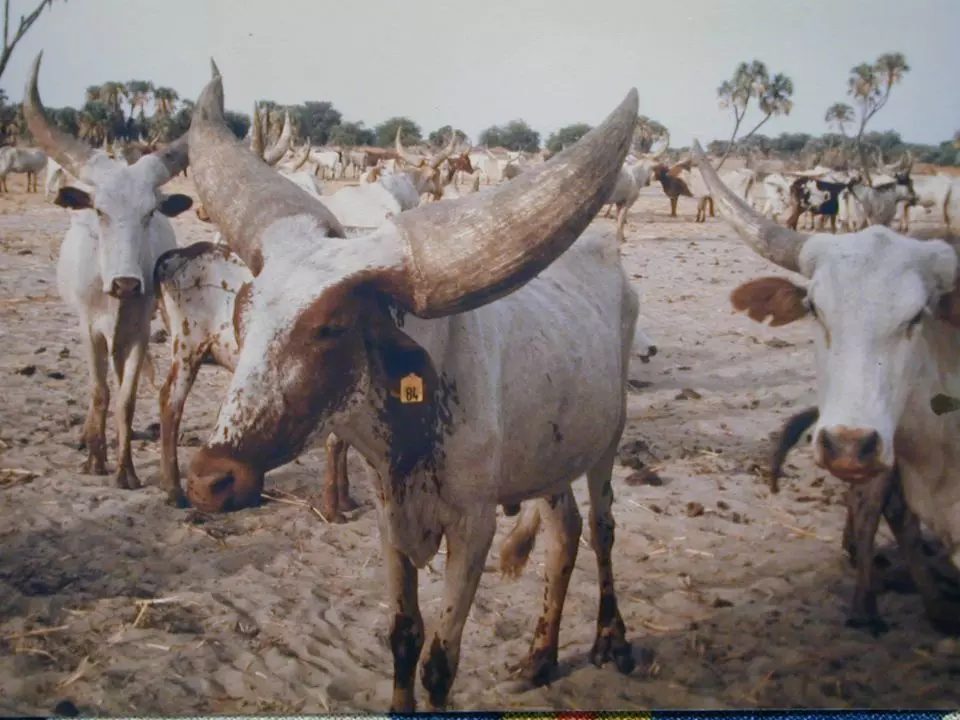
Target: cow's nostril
(223, 485)
(869, 446)
(125, 287)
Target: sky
(484, 62)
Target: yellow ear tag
(411, 389)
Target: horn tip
(214, 70)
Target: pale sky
(476, 63)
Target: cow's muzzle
(851, 454)
(217, 483)
(125, 288)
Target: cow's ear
(773, 297)
(73, 198)
(173, 205)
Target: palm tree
(138, 93)
(165, 99)
(647, 132)
(753, 81)
(839, 115)
(870, 86)
(111, 94)
(92, 94)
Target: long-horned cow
(886, 309)
(468, 364)
(21, 160)
(105, 271)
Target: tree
(566, 136)
(647, 132)
(138, 93)
(441, 136)
(237, 122)
(349, 134)
(387, 131)
(26, 22)
(870, 86)
(165, 99)
(839, 115)
(515, 135)
(315, 119)
(753, 81)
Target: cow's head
(807, 194)
(322, 339)
(877, 300)
(426, 173)
(124, 197)
(905, 189)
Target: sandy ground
(121, 604)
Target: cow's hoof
(608, 647)
(177, 499)
(348, 504)
(873, 624)
(127, 479)
(93, 466)
(540, 667)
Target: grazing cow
(203, 289)
(21, 160)
(105, 271)
(674, 186)
(450, 347)
(818, 197)
(887, 309)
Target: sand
(121, 604)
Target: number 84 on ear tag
(411, 389)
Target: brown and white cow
(465, 349)
(203, 289)
(885, 311)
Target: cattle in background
(29, 161)
(203, 290)
(384, 338)
(862, 205)
(876, 295)
(818, 197)
(674, 185)
(105, 270)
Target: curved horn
(306, 156)
(464, 253)
(276, 153)
(240, 192)
(403, 154)
(446, 152)
(774, 242)
(256, 132)
(173, 158)
(69, 152)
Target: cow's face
(125, 201)
(874, 298)
(904, 188)
(319, 344)
(810, 194)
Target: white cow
(633, 177)
(21, 160)
(105, 270)
(886, 311)
(463, 382)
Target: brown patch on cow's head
(773, 297)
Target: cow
(329, 161)
(818, 197)
(630, 181)
(933, 194)
(776, 195)
(674, 186)
(425, 172)
(886, 309)
(457, 166)
(450, 347)
(105, 270)
(862, 205)
(202, 291)
(21, 160)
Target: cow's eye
(328, 332)
(812, 308)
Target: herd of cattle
(444, 333)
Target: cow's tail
(516, 549)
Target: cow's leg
(562, 519)
(608, 210)
(336, 486)
(611, 641)
(94, 429)
(673, 205)
(173, 396)
(128, 357)
(943, 612)
(621, 222)
(406, 629)
(865, 505)
(905, 220)
(468, 542)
